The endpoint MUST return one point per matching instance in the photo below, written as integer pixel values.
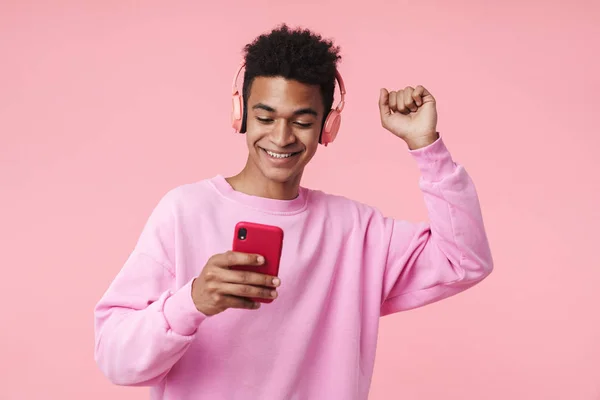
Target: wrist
(422, 141)
(181, 312)
(434, 161)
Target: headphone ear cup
(237, 112)
(331, 127)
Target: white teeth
(278, 155)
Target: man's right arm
(144, 322)
(142, 325)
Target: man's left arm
(429, 262)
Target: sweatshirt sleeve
(431, 261)
(143, 322)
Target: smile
(279, 155)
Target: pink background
(104, 106)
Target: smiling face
(283, 125)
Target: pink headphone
(330, 128)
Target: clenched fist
(410, 114)
(218, 288)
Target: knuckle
(210, 286)
(230, 257)
(245, 289)
(217, 298)
(245, 277)
(209, 274)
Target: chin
(280, 175)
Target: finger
(409, 102)
(393, 101)
(401, 106)
(250, 291)
(249, 278)
(232, 258)
(418, 94)
(427, 96)
(227, 301)
(384, 105)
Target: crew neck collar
(295, 205)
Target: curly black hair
(297, 54)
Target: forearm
(431, 261)
(455, 216)
(140, 346)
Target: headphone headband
(235, 78)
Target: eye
(303, 125)
(264, 120)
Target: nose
(282, 134)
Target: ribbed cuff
(181, 313)
(435, 161)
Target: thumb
(384, 102)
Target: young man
(176, 318)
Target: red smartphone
(265, 240)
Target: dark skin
(283, 129)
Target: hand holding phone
(218, 287)
(243, 277)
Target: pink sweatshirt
(343, 266)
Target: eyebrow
(301, 111)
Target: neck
(252, 182)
